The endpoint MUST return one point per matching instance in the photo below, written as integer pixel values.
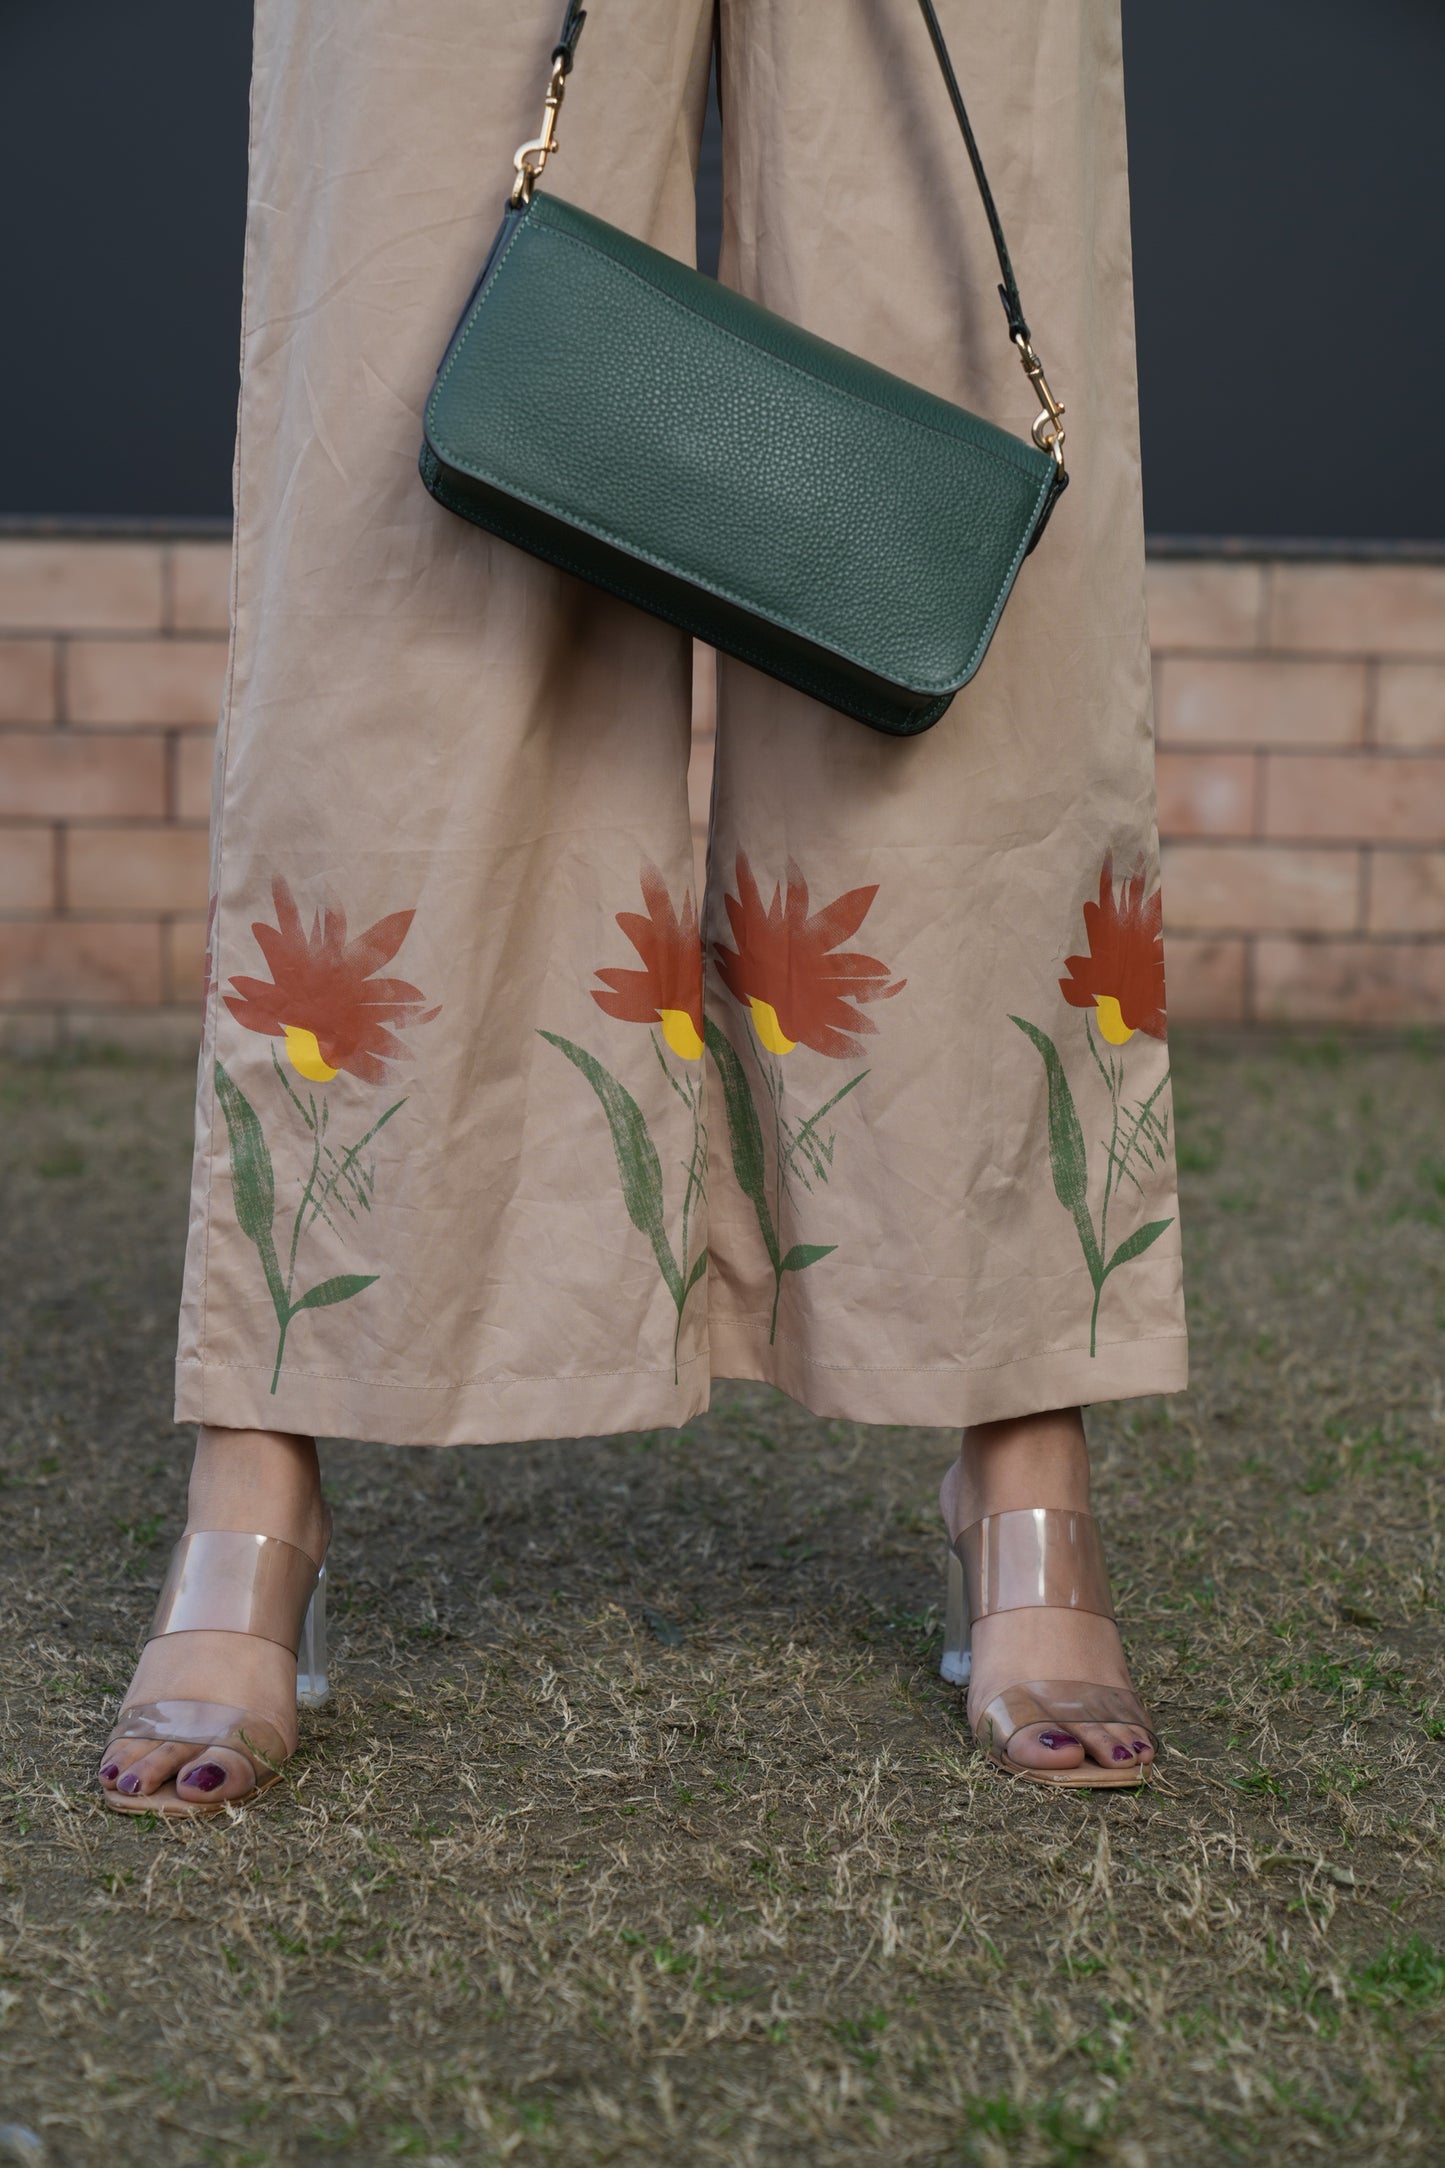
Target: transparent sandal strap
(203, 1724)
(1059, 1701)
(224, 1582)
(1036, 1557)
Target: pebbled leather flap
(615, 390)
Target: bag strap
(1008, 292)
(1048, 432)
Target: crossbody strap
(1048, 431)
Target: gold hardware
(531, 157)
(1047, 430)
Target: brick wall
(112, 657)
(1301, 777)
(1301, 719)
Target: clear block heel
(312, 1681)
(956, 1664)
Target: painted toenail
(207, 1777)
(110, 1772)
(1057, 1738)
(130, 1782)
(1122, 1753)
(1141, 1746)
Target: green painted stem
(281, 1348)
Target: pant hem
(482, 1411)
(951, 1398)
(514, 1411)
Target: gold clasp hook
(1047, 431)
(531, 157)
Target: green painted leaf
(638, 1165)
(1066, 1149)
(341, 1289)
(1136, 1244)
(253, 1180)
(744, 1134)
(803, 1254)
(829, 1104)
(699, 1268)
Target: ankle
(1030, 1460)
(260, 1482)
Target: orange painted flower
(788, 971)
(1122, 977)
(668, 989)
(323, 997)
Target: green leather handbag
(607, 408)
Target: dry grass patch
(640, 1827)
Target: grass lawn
(640, 1828)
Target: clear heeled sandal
(220, 1581)
(1036, 1558)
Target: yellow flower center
(305, 1056)
(767, 1027)
(1111, 1020)
(680, 1032)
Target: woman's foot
(256, 1482)
(1039, 1460)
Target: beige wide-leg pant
(466, 1168)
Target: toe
(119, 1756)
(151, 1769)
(1046, 1746)
(1114, 1745)
(215, 1775)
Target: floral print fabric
(510, 1124)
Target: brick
(201, 586)
(27, 869)
(185, 959)
(1205, 979)
(80, 586)
(1193, 603)
(145, 681)
(1350, 982)
(1270, 700)
(1407, 892)
(195, 762)
(1365, 797)
(137, 869)
(1248, 888)
(28, 681)
(1410, 704)
(64, 775)
(1205, 794)
(1357, 609)
(63, 960)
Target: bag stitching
(601, 534)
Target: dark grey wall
(1289, 229)
(123, 181)
(1288, 248)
